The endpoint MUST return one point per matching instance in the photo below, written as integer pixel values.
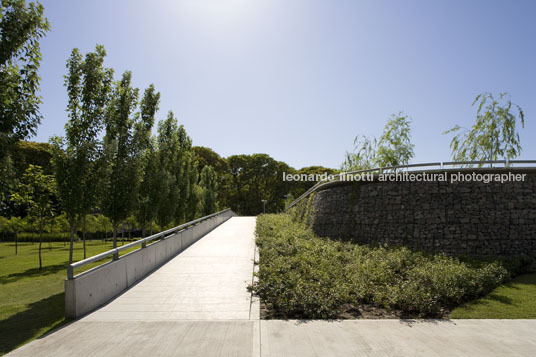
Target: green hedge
(305, 276)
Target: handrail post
(70, 272)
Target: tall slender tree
(168, 149)
(209, 189)
(121, 154)
(393, 148)
(77, 156)
(149, 194)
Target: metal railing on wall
(142, 242)
(449, 165)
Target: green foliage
(77, 158)
(253, 178)
(304, 276)
(7, 181)
(152, 189)
(207, 157)
(297, 188)
(24, 153)
(35, 192)
(121, 152)
(149, 198)
(494, 134)
(179, 180)
(209, 188)
(22, 25)
(393, 148)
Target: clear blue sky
(299, 79)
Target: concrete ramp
(208, 281)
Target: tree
(168, 148)
(59, 225)
(254, 178)
(206, 156)
(209, 189)
(21, 27)
(153, 188)
(36, 191)
(4, 227)
(104, 224)
(186, 176)
(297, 188)
(7, 182)
(19, 156)
(15, 225)
(393, 148)
(364, 155)
(149, 194)
(24, 153)
(126, 137)
(77, 158)
(494, 133)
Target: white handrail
(143, 242)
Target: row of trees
(494, 135)
(109, 161)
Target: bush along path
(303, 276)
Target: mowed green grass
(514, 300)
(32, 300)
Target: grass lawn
(32, 301)
(513, 300)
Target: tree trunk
(84, 236)
(114, 244)
(40, 242)
(151, 228)
(122, 233)
(71, 242)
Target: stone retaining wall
(471, 218)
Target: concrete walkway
(208, 281)
(198, 305)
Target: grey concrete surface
(208, 281)
(399, 338)
(145, 339)
(288, 338)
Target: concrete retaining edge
(95, 287)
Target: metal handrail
(507, 163)
(143, 242)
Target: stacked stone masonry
(466, 218)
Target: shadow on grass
(32, 273)
(38, 319)
(500, 298)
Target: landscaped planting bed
(303, 276)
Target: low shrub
(304, 276)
